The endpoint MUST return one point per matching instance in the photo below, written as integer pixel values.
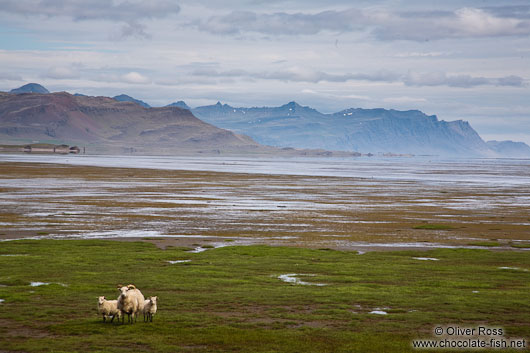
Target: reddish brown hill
(106, 125)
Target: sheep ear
(119, 286)
(131, 286)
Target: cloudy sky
(465, 60)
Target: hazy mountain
(510, 148)
(180, 104)
(126, 98)
(30, 88)
(362, 130)
(105, 125)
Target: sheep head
(123, 290)
(153, 299)
(101, 300)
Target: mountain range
(362, 130)
(126, 121)
(105, 125)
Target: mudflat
(178, 207)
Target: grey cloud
(131, 29)
(384, 25)
(281, 23)
(462, 81)
(515, 81)
(96, 9)
(410, 79)
(514, 11)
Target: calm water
(489, 172)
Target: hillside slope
(107, 125)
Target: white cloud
(135, 77)
(479, 23)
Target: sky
(466, 60)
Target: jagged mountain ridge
(362, 130)
(109, 126)
(180, 104)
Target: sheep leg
(104, 318)
(112, 318)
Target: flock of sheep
(131, 302)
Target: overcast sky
(465, 60)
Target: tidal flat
(184, 207)
(257, 262)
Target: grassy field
(231, 299)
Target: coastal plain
(255, 262)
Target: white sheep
(150, 308)
(108, 308)
(130, 302)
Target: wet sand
(193, 208)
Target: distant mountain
(126, 98)
(180, 104)
(30, 88)
(510, 148)
(105, 125)
(362, 130)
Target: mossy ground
(230, 299)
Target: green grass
(520, 245)
(230, 299)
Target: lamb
(150, 308)
(108, 308)
(130, 302)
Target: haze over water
(425, 169)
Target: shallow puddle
(178, 261)
(293, 279)
(378, 312)
(37, 284)
(426, 258)
(513, 268)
